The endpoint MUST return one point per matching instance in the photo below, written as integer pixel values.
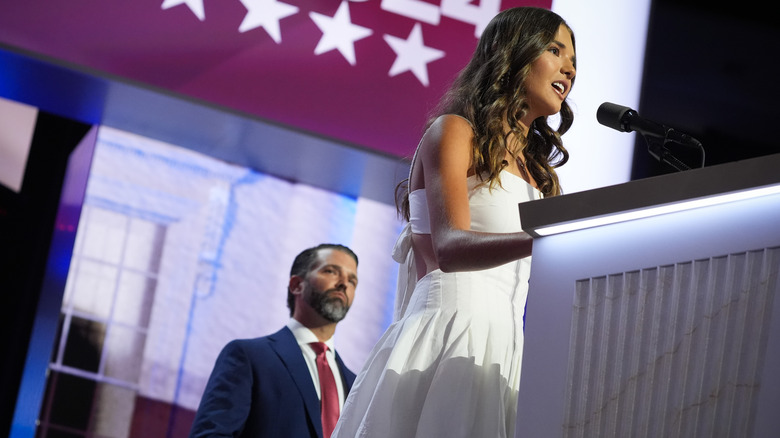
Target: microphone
(625, 119)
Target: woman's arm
(445, 155)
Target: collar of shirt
(304, 336)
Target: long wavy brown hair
(492, 86)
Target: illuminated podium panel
(663, 326)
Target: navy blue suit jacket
(262, 388)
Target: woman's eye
(554, 50)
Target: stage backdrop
(364, 73)
(176, 254)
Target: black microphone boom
(625, 119)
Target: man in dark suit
(271, 386)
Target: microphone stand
(656, 146)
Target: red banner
(362, 72)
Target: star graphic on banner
(338, 32)
(412, 55)
(196, 6)
(266, 14)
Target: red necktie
(328, 392)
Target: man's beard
(332, 309)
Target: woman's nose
(568, 68)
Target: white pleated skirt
(450, 366)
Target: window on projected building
(96, 363)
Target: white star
(338, 32)
(196, 6)
(266, 14)
(412, 55)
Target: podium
(659, 326)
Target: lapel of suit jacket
(289, 352)
(347, 376)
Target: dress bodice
(492, 210)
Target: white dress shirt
(304, 336)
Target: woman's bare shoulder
(448, 130)
(452, 122)
(446, 146)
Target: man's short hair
(304, 261)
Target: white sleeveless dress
(449, 365)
